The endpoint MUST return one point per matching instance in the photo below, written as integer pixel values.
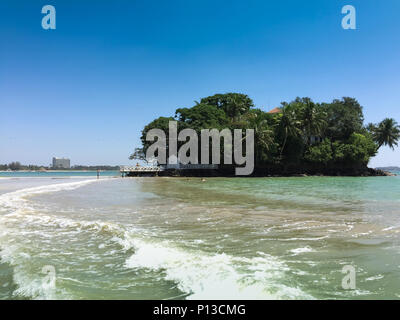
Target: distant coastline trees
(298, 134)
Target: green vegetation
(300, 136)
(385, 133)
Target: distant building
(62, 163)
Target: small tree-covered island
(302, 137)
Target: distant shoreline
(265, 173)
(56, 170)
(389, 168)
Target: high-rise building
(62, 163)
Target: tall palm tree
(387, 133)
(371, 128)
(289, 124)
(235, 107)
(313, 119)
(263, 132)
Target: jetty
(171, 170)
(140, 171)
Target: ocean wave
(301, 250)
(28, 284)
(16, 199)
(198, 274)
(215, 276)
(13, 204)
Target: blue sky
(86, 89)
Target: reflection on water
(174, 238)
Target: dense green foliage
(385, 133)
(302, 133)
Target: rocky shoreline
(287, 172)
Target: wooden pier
(174, 170)
(139, 171)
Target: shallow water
(177, 238)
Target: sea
(69, 235)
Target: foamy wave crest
(29, 284)
(215, 276)
(16, 199)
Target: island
(301, 137)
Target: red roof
(275, 110)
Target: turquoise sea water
(57, 174)
(181, 238)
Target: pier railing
(124, 169)
(190, 166)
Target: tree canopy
(385, 133)
(299, 133)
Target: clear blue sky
(86, 89)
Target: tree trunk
(284, 144)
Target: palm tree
(371, 128)
(387, 133)
(313, 119)
(235, 107)
(263, 132)
(289, 124)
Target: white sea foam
(13, 204)
(377, 277)
(215, 276)
(199, 274)
(301, 250)
(16, 199)
(29, 285)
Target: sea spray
(218, 276)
